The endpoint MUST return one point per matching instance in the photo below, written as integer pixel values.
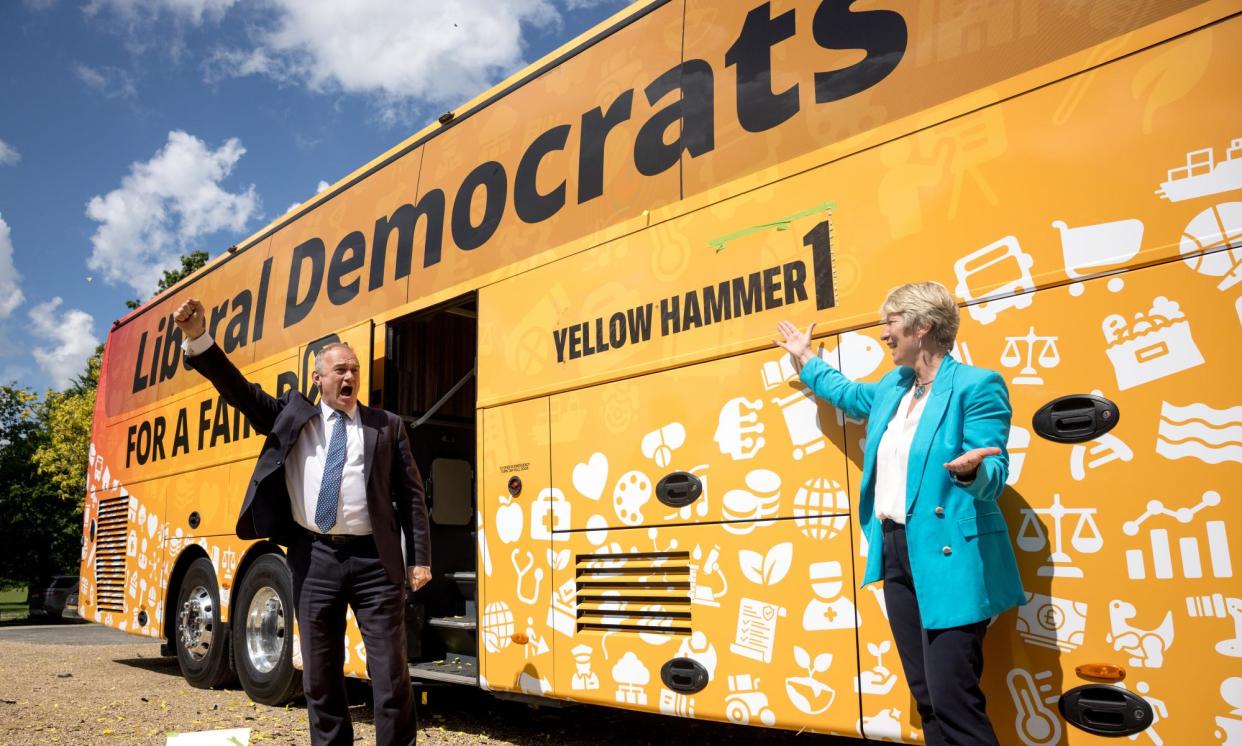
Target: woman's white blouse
(893, 457)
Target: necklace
(920, 387)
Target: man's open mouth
(347, 391)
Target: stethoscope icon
(522, 572)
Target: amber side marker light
(519, 638)
(1101, 672)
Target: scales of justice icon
(1048, 356)
(1085, 539)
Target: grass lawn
(13, 604)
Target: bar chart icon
(1189, 555)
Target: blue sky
(134, 131)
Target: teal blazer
(960, 554)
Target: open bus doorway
(429, 380)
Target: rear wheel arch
(175, 576)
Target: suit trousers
(942, 666)
(326, 578)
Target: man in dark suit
(336, 484)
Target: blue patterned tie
(333, 467)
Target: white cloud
(399, 51)
(579, 4)
(8, 155)
(322, 186)
(110, 82)
(163, 207)
(193, 11)
(10, 281)
(70, 337)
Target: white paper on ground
(231, 737)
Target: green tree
(67, 416)
(189, 264)
(39, 527)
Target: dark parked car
(50, 600)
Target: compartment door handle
(1075, 418)
(679, 489)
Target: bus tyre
(199, 635)
(263, 633)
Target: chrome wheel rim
(195, 623)
(265, 630)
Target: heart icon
(590, 478)
(152, 524)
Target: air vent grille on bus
(636, 592)
(110, 536)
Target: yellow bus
(569, 288)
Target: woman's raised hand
(796, 342)
(965, 466)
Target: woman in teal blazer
(933, 467)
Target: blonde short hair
(925, 304)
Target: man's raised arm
(205, 356)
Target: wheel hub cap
(195, 621)
(265, 630)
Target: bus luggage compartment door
(701, 513)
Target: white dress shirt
(305, 462)
(893, 458)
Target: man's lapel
(370, 436)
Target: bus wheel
(200, 639)
(263, 633)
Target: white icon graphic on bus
(591, 478)
(1202, 176)
(703, 570)
(830, 609)
(584, 679)
(631, 677)
(744, 510)
(994, 279)
(631, 493)
(550, 512)
(1086, 538)
(807, 693)
(676, 704)
(801, 412)
(1146, 647)
(756, 629)
(1155, 344)
(1216, 606)
(658, 445)
(1199, 431)
(1051, 622)
(1229, 726)
(1089, 249)
(821, 508)
(1096, 453)
(698, 648)
(1212, 244)
(877, 679)
(739, 433)
(563, 613)
(1216, 537)
(1022, 351)
(745, 700)
(1037, 723)
(766, 569)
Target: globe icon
(497, 626)
(815, 498)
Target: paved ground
(88, 684)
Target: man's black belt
(338, 540)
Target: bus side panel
(515, 583)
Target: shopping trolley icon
(1100, 247)
(802, 420)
